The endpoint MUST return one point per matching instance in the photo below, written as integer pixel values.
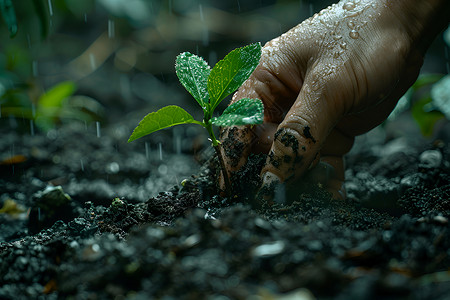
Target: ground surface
(390, 239)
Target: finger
(306, 126)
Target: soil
(87, 216)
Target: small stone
(430, 159)
(440, 219)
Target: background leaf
(440, 93)
(193, 72)
(231, 72)
(9, 15)
(243, 112)
(165, 117)
(425, 119)
(55, 96)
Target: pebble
(430, 159)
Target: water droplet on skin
(343, 46)
(337, 37)
(349, 6)
(351, 24)
(354, 34)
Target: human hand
(334, 76)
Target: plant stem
(217, 148)
(226, 178)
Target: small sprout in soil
(117, 203)
(209, 87)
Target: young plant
(209, 87)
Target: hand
(334, 76)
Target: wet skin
(335, 76)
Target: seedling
(209, 87)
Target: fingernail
(267, 192)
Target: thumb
(300, 136)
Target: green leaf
(243, 112)
(426, 79)
(165, 117)
(231, 72)
(9, 15)
(425, 119)
(57, 94)
(440, 93)
(193, 72)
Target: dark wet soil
(88, 217)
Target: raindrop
(111, 29)
(311, 9)
(39, 214)
(239, 6)
(0, 110)
(82, 165)
(354, 34)
(349, 6)
(201, 13)
(147, 150)
(31, 127)
(92, 60)
(176, 181)
(33, 110)
(160, 151)
(85, 18)
(34, 67)
(177, 142)
(50, 8)
(205, 38)
(97, 125)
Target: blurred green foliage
(20, 93)
(428, 100)
(9, 15)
